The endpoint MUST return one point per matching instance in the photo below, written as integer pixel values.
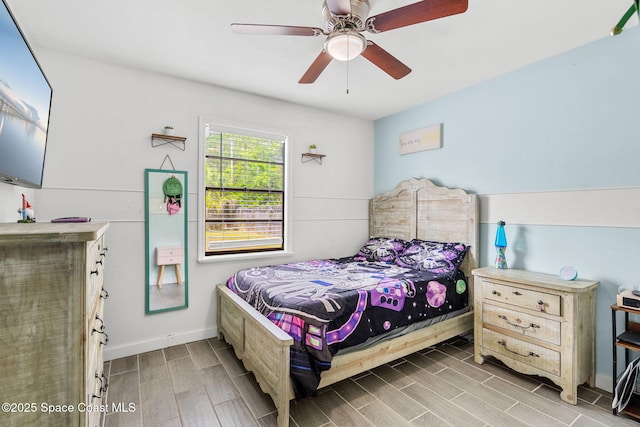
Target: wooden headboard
(417, 208)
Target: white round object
(568, 273)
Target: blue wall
(567, 122)
(570, 122)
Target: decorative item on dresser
(537, 324)
(52, 330)
(501, 246)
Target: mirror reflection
(166, 240)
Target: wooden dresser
(51, 323)
(537, 324)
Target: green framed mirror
(166, 240)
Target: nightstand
(537, 324)
(169, 256)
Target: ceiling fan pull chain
(348, 56)
(348, 77)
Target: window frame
(259, 131)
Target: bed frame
(415, 208)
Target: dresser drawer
(528, 325)
(523, 298)
(96, 383)
(522, 351)
(96, 254)
(96, 339)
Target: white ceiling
(192, 39)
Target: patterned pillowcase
(381, 249)
(435, 257)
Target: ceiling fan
(346, 20)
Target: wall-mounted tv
(25, 103)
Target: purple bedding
(328, 305)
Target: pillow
(381, 249)
(436, 257)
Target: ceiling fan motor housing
(354, 21)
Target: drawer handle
(541, 306)
(494, 292)
(99, 262)
(103, 382)
(515, 325)
(104, 252)
(96, 272)
(102, 389)
(101, 329)
(517, 293)
(504, 344)
(106, 383)
(104, 294)
(105, 337)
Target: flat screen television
(25, 104)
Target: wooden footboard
(261, 345)
(264, 348)
(352, 363)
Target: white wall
(100, 143)
(553, 150)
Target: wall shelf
(307, 157)
(158, 139)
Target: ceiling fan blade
(316, 68)
(275, 30)
(339, 7)
(385, 61)
(415, 13)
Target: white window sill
(242, 257)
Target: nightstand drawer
(528, 325)
(522, 351)
(521, 297)
(169, 255)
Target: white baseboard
(111, 353)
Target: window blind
(244, 177)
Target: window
(244, 185)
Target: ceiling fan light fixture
(345, 45)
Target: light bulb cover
(345, 45)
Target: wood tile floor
(203, 384)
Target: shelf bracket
(307, 157)
(158, 139)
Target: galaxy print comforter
(328, 305)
